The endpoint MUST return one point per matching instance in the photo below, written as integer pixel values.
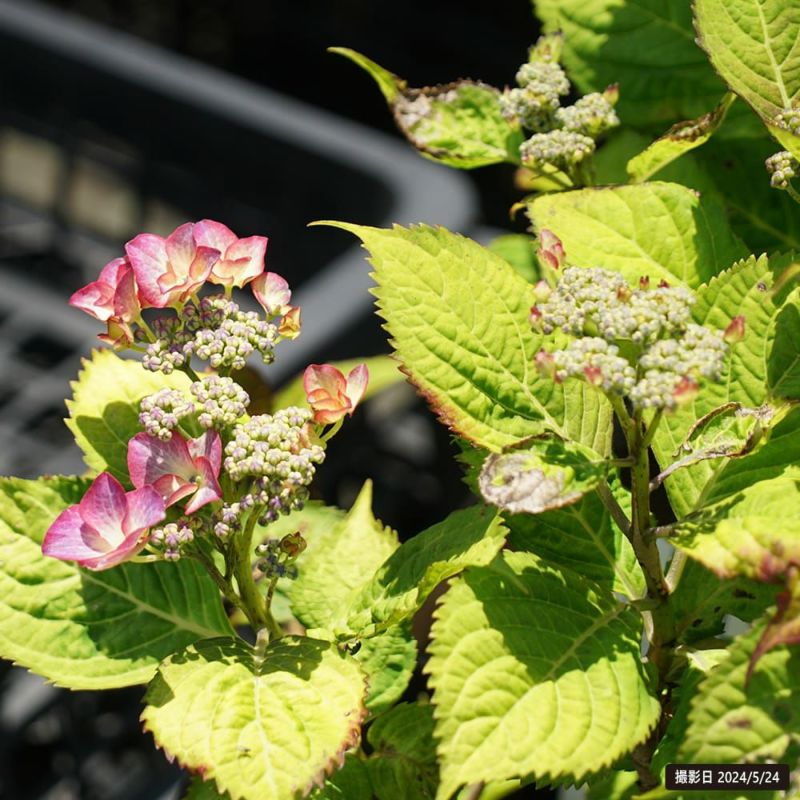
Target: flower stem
(243, 570)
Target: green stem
(614, 508)
(676, 569)
(661, 623)
(243, 570)
(222, 584)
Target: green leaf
(206, 790)
(264, 724)
(750, 533)
(742, 289)
(614, 785)
(458, 318)
(104, 410)
(403, 764)
(472, 536)
(783, 368)
(384, 372)
(701, 602)
(647, 46)
(535, 672)
(754, 45)
(91, 630)
(519, 251)
(540, 474)
(458, 124)
(729, 431)
(733, 720)
(585, 539)
(680, 139)
(388, 661)
(351, 782)
(661, 230)
(777, 456)
(336, 566)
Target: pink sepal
(272, 292)
(330, 394)
(107, 527)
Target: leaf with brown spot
(680, 139)
(540, 474)
(457, 123)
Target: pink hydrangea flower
(241, 260)
(273, 292)
(107, 527)
(178, 467)
(170, 270)
(330, 394)
(113, 299)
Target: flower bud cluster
(668, 352)
(782, 167)
(275, 450)
(591, 115)
(598, 362)
(277, 555)
(160, 413)
(562, 137)
(227, 520)
(220, 401)
(593, 300)
(172, 538)
(789, 119)
(213, 330)
(560, 149)
(537, 98)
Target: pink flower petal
(357, 381)
(324, 377)
(272, 292)
(213, 234)
(147, 254)
(243, 261)
(209, 446)
(130, 546)
(145, 509)
(149, 459)
(208, 489)
(96, 298)
(181, 248)
(69, 538)
(103, 508)
(126, 300)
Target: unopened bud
(289, 326)
(545, 364)
(624, 294)
(594, 375)
(293, 544)
(685, 391)
(611, 94)
(662, 284)
(735, 331)
(644, 282)
(541, 291)
(535, 318)
(551, 251)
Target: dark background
(282, 45)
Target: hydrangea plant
(622, 385)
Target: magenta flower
(178, 467)
(330, 395)
(170, 270)
(107, 527)
(273, 292)
(241, 260)
(113, 299)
